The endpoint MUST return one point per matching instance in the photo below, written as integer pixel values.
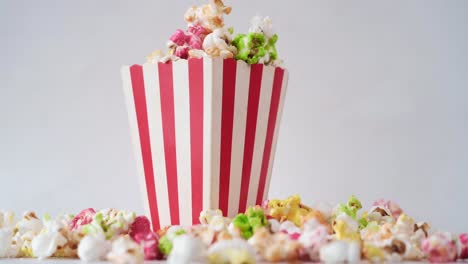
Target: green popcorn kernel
(256, 218)
(165, 242)
(250, 47)
(165, 245)
(362, 223)
(354, 203)
(179, 232)
(345, 209)
(247, 233)
(241, 221)
(271, 47)
(351, 208)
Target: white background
(376, 106)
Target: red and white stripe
(205, 133)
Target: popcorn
(324, 208)
(93, 248)
(392, 206)
(288, 231)
(404, 230)
(209, 16)
(149, 242)
(217, 44)
(249, 222)
(186, 249)
(389, 246)
(393, 250)
(207, 215)
(340, 251)
(350, 208)
(463, 246)
(27, 228)
(313, 239)
(6, 237)
(440, 247)
(7, 224)
(404, 226)
(346, 228)
(235, 251)
(219, 223)
(29, 223)
(55, 238)
(317, 216)
(7, 220)
(289, 227)
(289, 209)
(83, 218)
(155, 56)
(181, 43)
(45, 244)
(373, 253)
(141, 224)
(274, 225)
(110, 222)
(206, 234)
(125, 251)
(141, 233)
(379, 214)
(257, 46)
(165, 242)
(206, 36)
(421, 231)
(214, 219)
(274, 247)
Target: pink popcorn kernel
(83, 218)
(463, 246)
(141, 224)
(182, 52)
(140, 232)
(198, 31)
(440, 247)
(149, 242)
(179, 38)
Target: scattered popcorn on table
(463, 246)
(234, 251)
(165, 242)
(125, 251)
(93, 248)
(440, 247)
(340, 251)
(392, 206)
(278, 230)
(51, 238)
(186, 249)
(27, 228)
(7, 227)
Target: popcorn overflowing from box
(205, 116)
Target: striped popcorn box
(205, 133)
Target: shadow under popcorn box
(204, 133)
